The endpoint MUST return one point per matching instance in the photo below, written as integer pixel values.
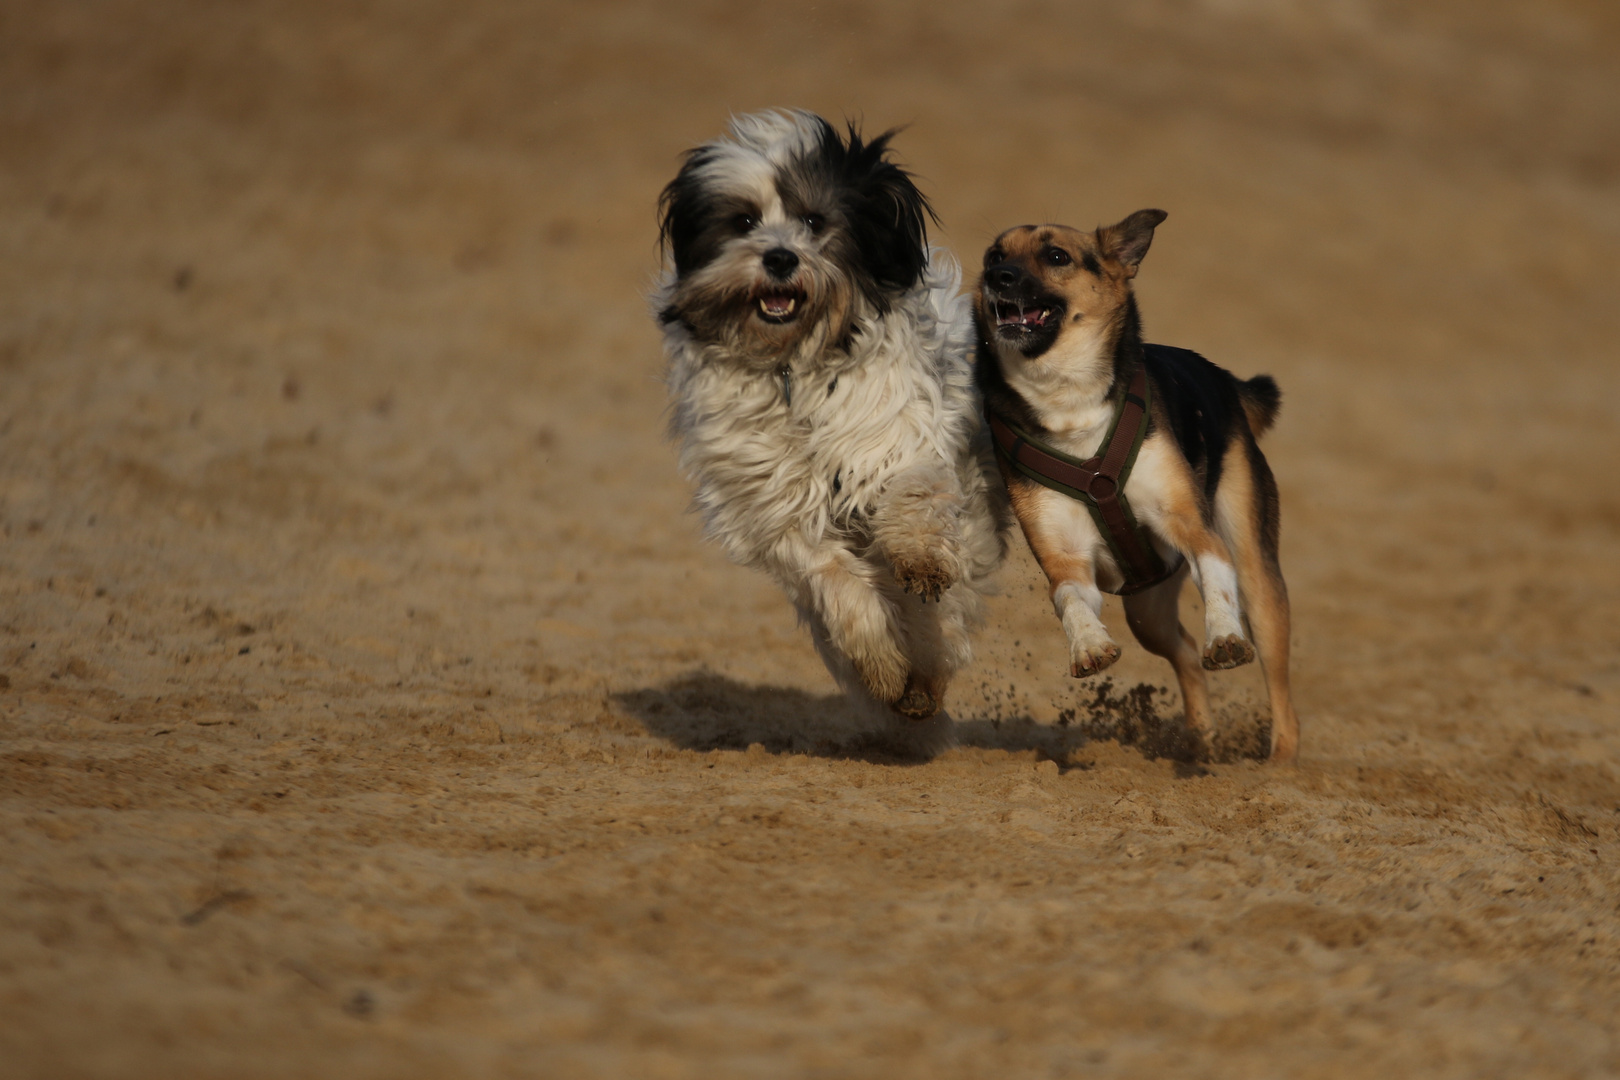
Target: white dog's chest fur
(764, 467)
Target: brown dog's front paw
(925, 578)
(1225, 652)
(1085, 661)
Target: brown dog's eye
(993, 256)
(815, 223)
(1058, 257)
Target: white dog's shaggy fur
(823, 398)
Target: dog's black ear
(1129, 240)
(683, 213)
(887, 214)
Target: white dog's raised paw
(1227, 651)
(1087, 660)
(923, 577)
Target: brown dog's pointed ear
(1128, 241)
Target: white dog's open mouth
(779, 306)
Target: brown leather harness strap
(1098, 482)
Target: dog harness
(1098, 482)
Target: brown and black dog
(1059, 342)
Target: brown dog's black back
(1208, 407)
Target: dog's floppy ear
(683, 209)
(888, 216)
(1128, 241)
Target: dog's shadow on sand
(704, 710)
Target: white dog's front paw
(878, 661)
(916, 527)
(924, 575)
(884, 681)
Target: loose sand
(371, 707)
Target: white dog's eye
(815, 223)
(744, 223)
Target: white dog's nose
(780, 262)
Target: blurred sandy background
(369, 705)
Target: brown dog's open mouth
(1023, 317)
(779, 306)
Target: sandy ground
(370, 706)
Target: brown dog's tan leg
(1265, 598)
(1154, 617)
(1060, 533)
(1211, 564)
(1246, 512)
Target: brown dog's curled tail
(1261, 400)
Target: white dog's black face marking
(781, 233)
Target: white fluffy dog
(823, 397)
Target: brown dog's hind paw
(1285, 738)
(1226, 652)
